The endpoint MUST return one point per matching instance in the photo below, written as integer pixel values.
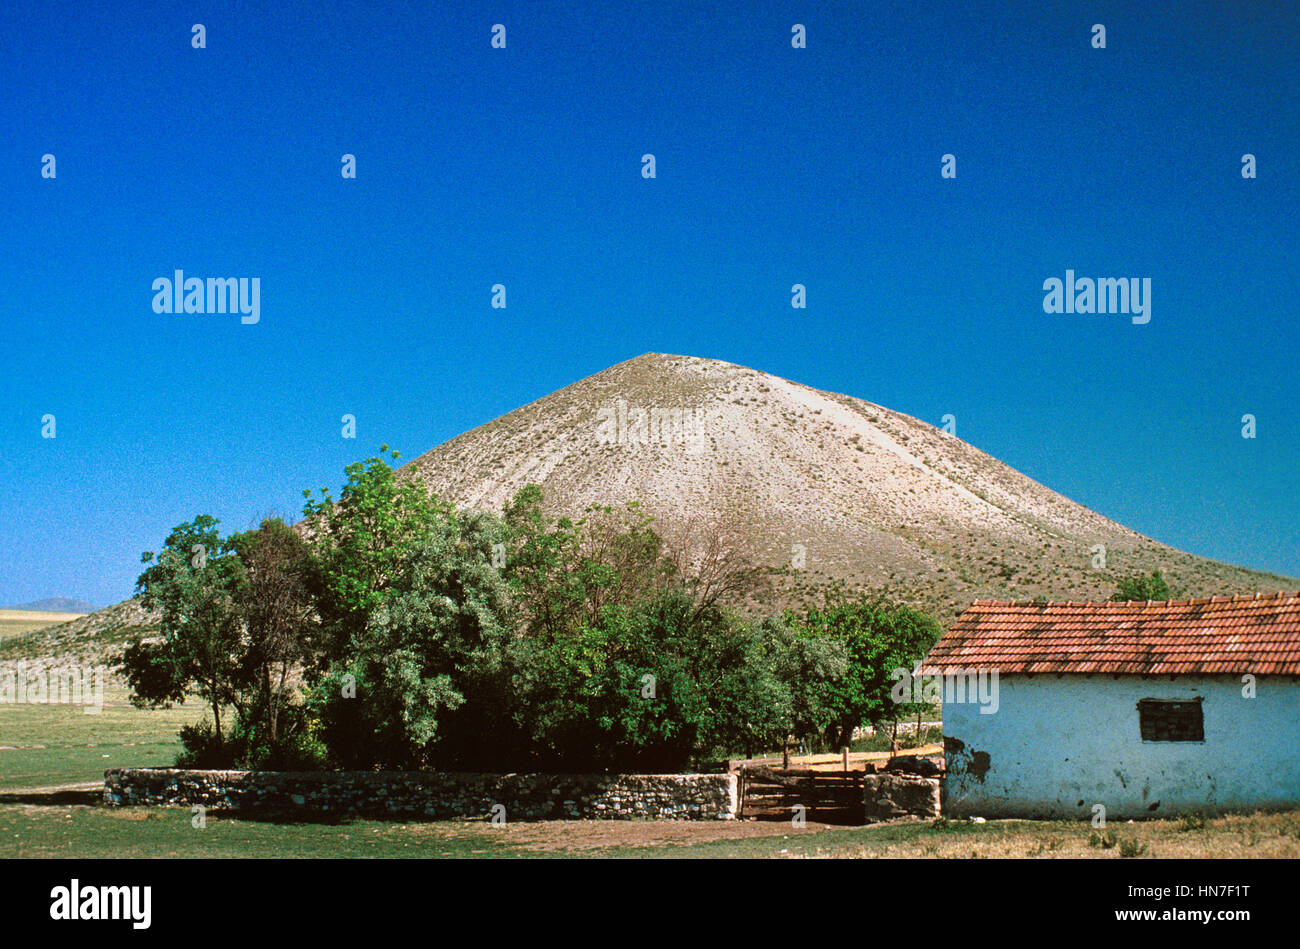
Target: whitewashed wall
(1058, 745)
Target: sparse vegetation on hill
(817, 487)
(95, 638)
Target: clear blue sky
(522, 166)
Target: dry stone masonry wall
(434, 795)
(891, 796)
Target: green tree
(417, 621)
(196, 583)
(651, 687)
(753, 704)
(812, 667)
(1142, 588)
(279, 615)
(564, 573)
(627, 660)
(364, 541)
(878, 638)
(237, 624)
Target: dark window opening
(1171, 721)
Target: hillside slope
(875, 499)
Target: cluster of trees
(1139, 588)
(237, 622)
(393, 630)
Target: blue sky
(521, 166)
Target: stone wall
(434, 795)
(889, 796)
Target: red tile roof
(1224, 635)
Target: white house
(1145, 708)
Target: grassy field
(82, 830)
(58, 745)
(17, 622)
(54, 745)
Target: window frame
(1144, 726)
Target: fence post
(846, 757)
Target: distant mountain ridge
(55, 604)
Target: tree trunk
(216, 718)
(272, 707)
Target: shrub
(203, 749)
(1132, 848)
(1140, 588)
(1105, 841)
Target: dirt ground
(576, 836)
(69, 821)
(570, 836)
(1233, 836)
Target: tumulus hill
(866, 496)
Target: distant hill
(97, 637)
(56, 604)
(814, 486)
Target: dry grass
(1233, 837)
(1236, 836)
(17, 622)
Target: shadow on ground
(53, 798)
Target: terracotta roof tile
(1224, 635)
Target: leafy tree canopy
(1142, 588)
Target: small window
(1171, 721)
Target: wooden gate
(831, 797)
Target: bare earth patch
(574, 836)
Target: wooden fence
(831, 797)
